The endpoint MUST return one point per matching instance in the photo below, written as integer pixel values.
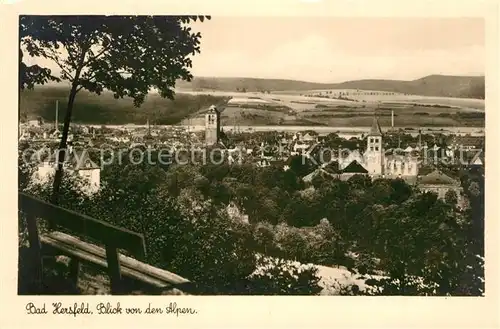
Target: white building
(78, 162)
(34, 123)
(375, 160)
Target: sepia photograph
(273, 155)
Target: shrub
(280, 277)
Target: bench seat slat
(71, 251)
(96, 229)
(97, 255)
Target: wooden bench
(112, 237)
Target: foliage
(451, 197)
(124, 54)
(417, 243)
(127, 55)
(279, 277)
(186, 234)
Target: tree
(319, 180)
(264, 236)
(291, 242)
(401, 191)
(31, 75)
(127, 55)
(451, 197)
(187, 234)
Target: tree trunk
(62, 145)
(67, 120)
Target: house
(331, 167)
(25, 135)
(75, 161)
(354, 168)
(309, 177)
(409, 149)
(54, 133)
(262, 163)
(300, 147)
(268, 151)
(308, 138)
(35, 123)
(347, 157)
(234, 213)
(477, 161)
(440, 183)
(399, 165)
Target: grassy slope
(433, 85)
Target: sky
(335, 49)
(330, 49)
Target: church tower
(374, 154)
(212, 126)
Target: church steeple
(374, 150)
(375, 129)
(212, 126)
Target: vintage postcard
(164, 158)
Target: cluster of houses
(373, 159)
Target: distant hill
(432, 85)
(247, 84)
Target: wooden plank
(36, 253)
(71, 251)
(114, 269)
(96, 229)
(125, 261)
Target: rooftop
(437, 178)
(213, 109)
(375, 129)
(354, 168)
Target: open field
(295, 107)
(373, 96)
(349, 131)
(260, 108)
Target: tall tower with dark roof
(374, 154)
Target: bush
(279, 277)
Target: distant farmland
(313, 107)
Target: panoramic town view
(199, 155)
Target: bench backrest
(108, 234)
